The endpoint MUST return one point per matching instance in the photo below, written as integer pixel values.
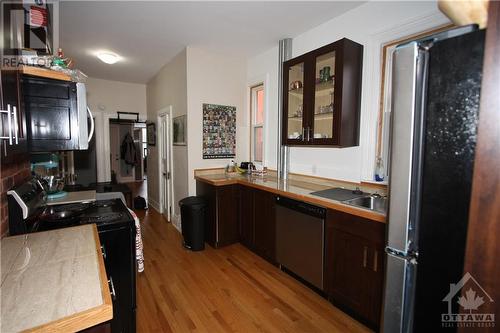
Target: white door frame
(166, 147)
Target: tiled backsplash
(11, 175)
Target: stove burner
(76, 207)
(104, 203)
(63, 212)
(101, 218)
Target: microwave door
(83, 129)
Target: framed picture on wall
(151, 134)
(180, 130)
(219, 131)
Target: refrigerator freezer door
(409, 71)
(398, 294)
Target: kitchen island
(54, 281)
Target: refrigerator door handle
(410, 256)
(399, 294)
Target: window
(257, 124)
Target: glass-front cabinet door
(294, 102)
(323, 129)
(322, 96)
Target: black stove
(105, 213)
(103, 218)
(28, 213)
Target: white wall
(371, 24)
(168, 87)
(104, 99)
(216, 79)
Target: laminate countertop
(53, 281)
(295, 189)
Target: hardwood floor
(225, 290)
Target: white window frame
(253, 121)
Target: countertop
(295, 189)
(73, 197)
(54, 281)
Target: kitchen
(251, 275)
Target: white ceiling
(148, 34)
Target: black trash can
(193, 222)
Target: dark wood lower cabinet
(246, 216)
(221, 225)
(258, 222)
(264, 216)
(354, 265)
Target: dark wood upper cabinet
(322, 96)
(14, 138)
(52, 114)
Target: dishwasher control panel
(302, 207)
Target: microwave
(57, 115)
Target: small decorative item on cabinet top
(151, 134)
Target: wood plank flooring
(225, 290)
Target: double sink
(355, 198)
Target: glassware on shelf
(299, 111)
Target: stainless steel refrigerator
(435, 104)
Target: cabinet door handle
(309, 134)
(365, 250)
(103, 250)
(375, 261)
(112, 292)
(303, 133)
(9, 122)
(15, 125)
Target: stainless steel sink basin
(377, 204)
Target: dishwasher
(300, 229)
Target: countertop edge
(88, 318)
(318, 201)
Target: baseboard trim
(154, 204)
(176, 222)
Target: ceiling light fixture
(108, 57)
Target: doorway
(123, 171)
(165, 168)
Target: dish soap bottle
(379, 170)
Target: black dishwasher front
(300, 230)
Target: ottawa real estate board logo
(471, 299)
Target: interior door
(114, 145)
(165, 166)
(125, 173)
(139, 168)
